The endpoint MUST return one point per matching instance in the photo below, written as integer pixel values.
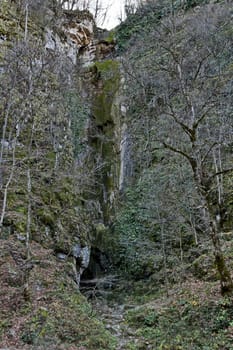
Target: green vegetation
(169, 113)
(55, 313)
(79, 118)
(161, 115)
(148, 16)
(184, 321)
(106, 72)
(78, 327)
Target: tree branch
(176, 150)
(224, 171)
(187, 130)
(208, 152)
(199, 66)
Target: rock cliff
(60, 169)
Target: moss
(100, 233)
(111, 37)
(51, 156)
(4, 325)
(8, 24)
(48, 196)
(11, 198)
(108, 73)
(187, 318)
(107, 36)
(107, 67)
(20, 225)
(46, 216)
(37, 327)
(65, 193)
(21, 209)
(47, 325)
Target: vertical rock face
(106, 124)
(123, 151)
(101, 80)
(59, 171)
(78, 155)
(108, 135)
(79, 140)
(76, 33)
(81, 261)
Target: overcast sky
(114, 13)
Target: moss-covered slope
(44, 211)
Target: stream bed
(112, 312)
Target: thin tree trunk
(3, 140)
(193, 228)
(28, 232)
(163, 252)
(7, 185)
(164, 259)
(26, 22)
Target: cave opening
(95, 278)
(98, 265)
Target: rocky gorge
(116, 177)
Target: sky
(114, 14)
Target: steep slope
(112, 172)
(51, 169)
(177, 64)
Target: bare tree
(187, 90)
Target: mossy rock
(108, 73)
(100, 233)
(110, 36)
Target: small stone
(61, 256)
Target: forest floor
(191, 316)
(116, 314)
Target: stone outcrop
(59, 211)
(77, 37)
(72, 34)
(81, 257)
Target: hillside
(116, 177)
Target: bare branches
(192, 161)
(222, 172)
(184, 76)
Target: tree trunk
(220, 261)
(224, 273)
(213, 232)
(5, 193)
